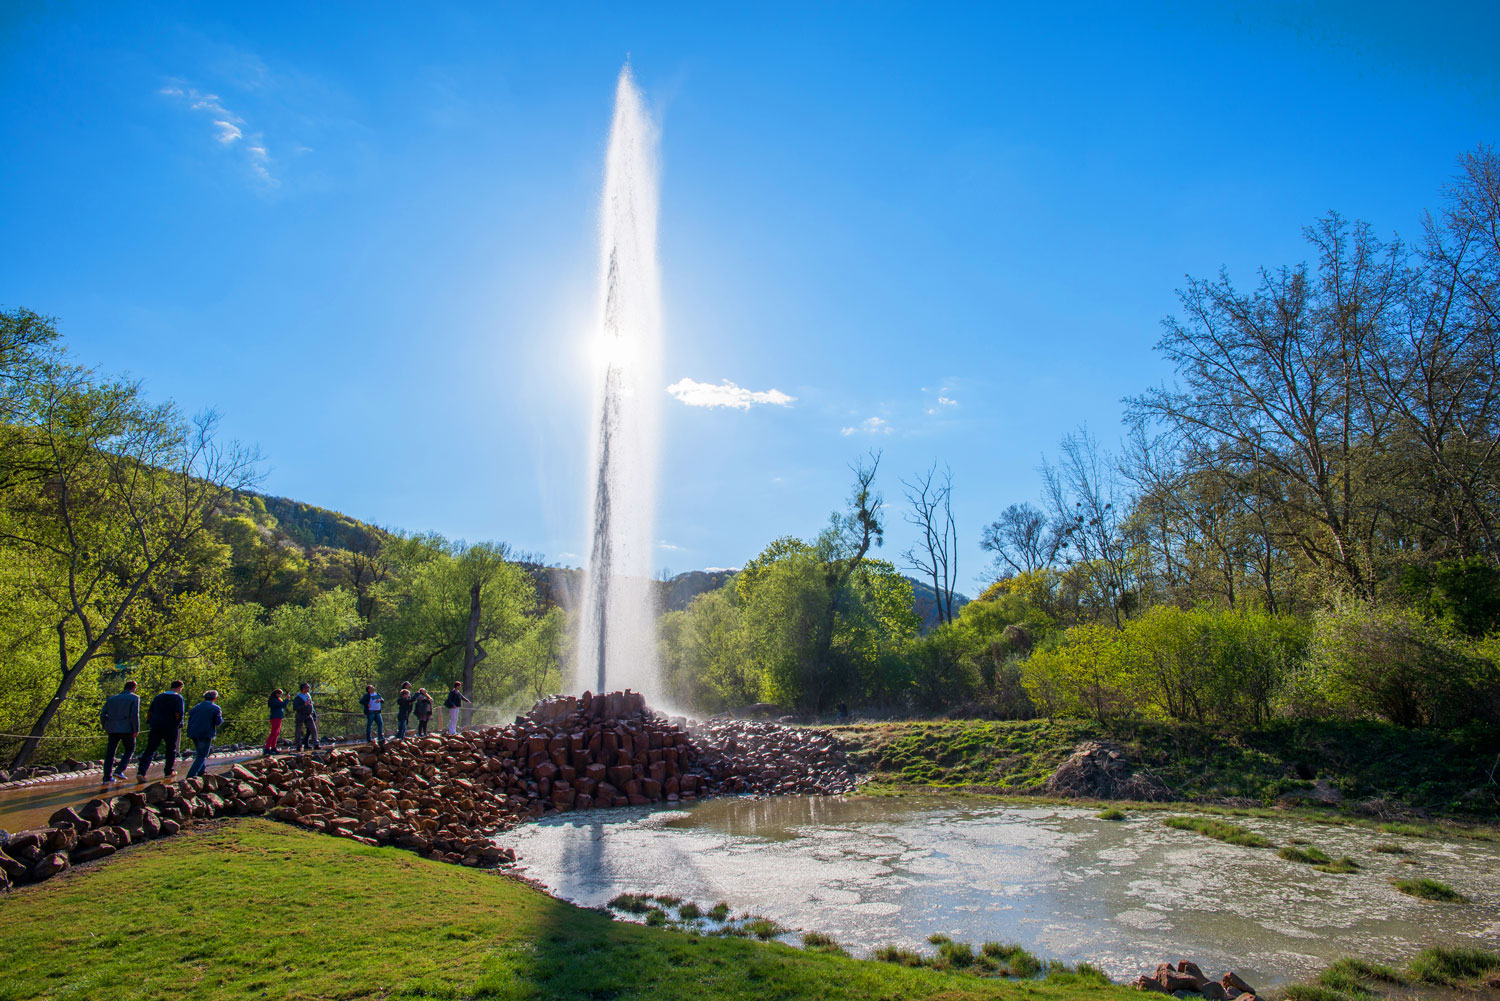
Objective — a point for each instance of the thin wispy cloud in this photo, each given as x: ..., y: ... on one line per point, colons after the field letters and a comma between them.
x: 870, y: 425
x: 725, y: 394
x: 230, y: 129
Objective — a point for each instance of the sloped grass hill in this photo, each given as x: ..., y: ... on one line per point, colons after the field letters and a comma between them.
x: 254, y: 909
x: 1417, y: 770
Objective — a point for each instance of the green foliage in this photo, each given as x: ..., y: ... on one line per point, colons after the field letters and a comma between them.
x: 1462, y: 594
x: 1219, y: 830
x: 819, y: 942
x: 791, y: 631
x: 1012, y: 960
x: 1372, y: 661
x: 1421, y: 770
x: 1111, y: 813
x: 1203, y: 665
x: 1307, y: 856
x: 1452, y: 966
x: 1430, y: 889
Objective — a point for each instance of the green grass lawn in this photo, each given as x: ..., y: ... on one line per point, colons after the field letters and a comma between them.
x: 1444, y: 773
x: 255, y: 909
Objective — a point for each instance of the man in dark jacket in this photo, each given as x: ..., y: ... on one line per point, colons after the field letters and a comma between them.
x: 203, y: 723
x: 373, y: 702
x: 306, y: 733
x: 121, y: 718
x: 163, y: 721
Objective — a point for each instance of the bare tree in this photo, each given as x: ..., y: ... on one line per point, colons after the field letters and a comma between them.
x: 1022, y: 539
x: 1272, y: 382
x: 935, y: 555
x: 1089, y: 505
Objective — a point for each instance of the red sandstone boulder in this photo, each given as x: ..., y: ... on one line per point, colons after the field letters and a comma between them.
x: 48, y: 866
x: 81, y: 855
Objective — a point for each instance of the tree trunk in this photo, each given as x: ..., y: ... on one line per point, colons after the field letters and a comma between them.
x: 69, y: 675
x: 470, y: 651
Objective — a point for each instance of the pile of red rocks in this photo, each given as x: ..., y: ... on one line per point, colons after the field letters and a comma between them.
x: 102, y: 826
x: 1097, y: 770
x: 1186, y: 980
x: 443, y: 795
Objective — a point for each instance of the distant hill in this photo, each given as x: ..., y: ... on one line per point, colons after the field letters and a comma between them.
x: 312, y: 527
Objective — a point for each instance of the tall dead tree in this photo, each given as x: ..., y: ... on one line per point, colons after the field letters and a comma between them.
x: 935, y: 554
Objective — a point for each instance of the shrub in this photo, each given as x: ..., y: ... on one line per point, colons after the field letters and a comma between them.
x: 689, y: 912
x: 1111, y: 813
x: 1391, y: 663
x: 719, y: 912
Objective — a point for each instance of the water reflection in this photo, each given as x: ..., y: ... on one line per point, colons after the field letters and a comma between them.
x: 1057, y: 880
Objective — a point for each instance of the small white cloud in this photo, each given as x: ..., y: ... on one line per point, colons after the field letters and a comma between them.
x: 667, y: 545
x: 229, y: 129
x: 870, y: 425
x: 944, y: 401
x: 725, y: 394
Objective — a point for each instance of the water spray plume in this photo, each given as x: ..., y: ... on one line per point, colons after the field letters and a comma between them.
x: 617, y: 634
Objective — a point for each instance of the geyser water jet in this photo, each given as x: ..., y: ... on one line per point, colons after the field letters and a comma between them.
x: 617, y: 632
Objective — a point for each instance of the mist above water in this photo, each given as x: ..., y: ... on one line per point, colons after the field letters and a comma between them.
x: 617, y: 631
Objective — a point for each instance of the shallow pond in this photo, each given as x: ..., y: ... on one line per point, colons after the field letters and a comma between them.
x: 1066, y: 885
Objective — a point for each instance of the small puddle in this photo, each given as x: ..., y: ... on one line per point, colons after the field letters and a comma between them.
x: 1064, y: 884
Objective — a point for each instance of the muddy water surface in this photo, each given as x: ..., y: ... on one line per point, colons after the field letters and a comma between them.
x: 1066, y: 885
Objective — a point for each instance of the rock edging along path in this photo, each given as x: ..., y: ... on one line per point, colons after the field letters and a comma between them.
x: 443, y: 795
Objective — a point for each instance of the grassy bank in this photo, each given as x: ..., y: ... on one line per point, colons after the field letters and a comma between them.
x: 254, y: 909
x: 1442, y: 773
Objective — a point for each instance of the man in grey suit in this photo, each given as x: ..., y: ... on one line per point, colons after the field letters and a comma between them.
x: 121, y: 718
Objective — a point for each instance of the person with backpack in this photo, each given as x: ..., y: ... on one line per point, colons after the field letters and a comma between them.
x: 422, y: 706
x: 203, y: 724
x: 278, y: 713
x: 121, y: 718
x: 404, y: 700
x: 163, y: 723
x: 305, y: 735
x: 454, y: 703
x: 373, y: 703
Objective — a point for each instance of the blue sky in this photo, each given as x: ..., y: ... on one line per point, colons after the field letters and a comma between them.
x: 366, y: 232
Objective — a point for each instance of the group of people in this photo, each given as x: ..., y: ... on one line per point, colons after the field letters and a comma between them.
x: 408, y: 704
x: 121, y: 718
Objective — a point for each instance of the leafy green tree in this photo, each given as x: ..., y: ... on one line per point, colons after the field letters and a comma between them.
x: 448, y: 606
x: 102, y: 504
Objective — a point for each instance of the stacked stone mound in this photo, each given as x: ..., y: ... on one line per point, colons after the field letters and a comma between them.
x: 1185, y: 980
x: 444, y: 795
x: 1097, y: 770
x: 741, y: 757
